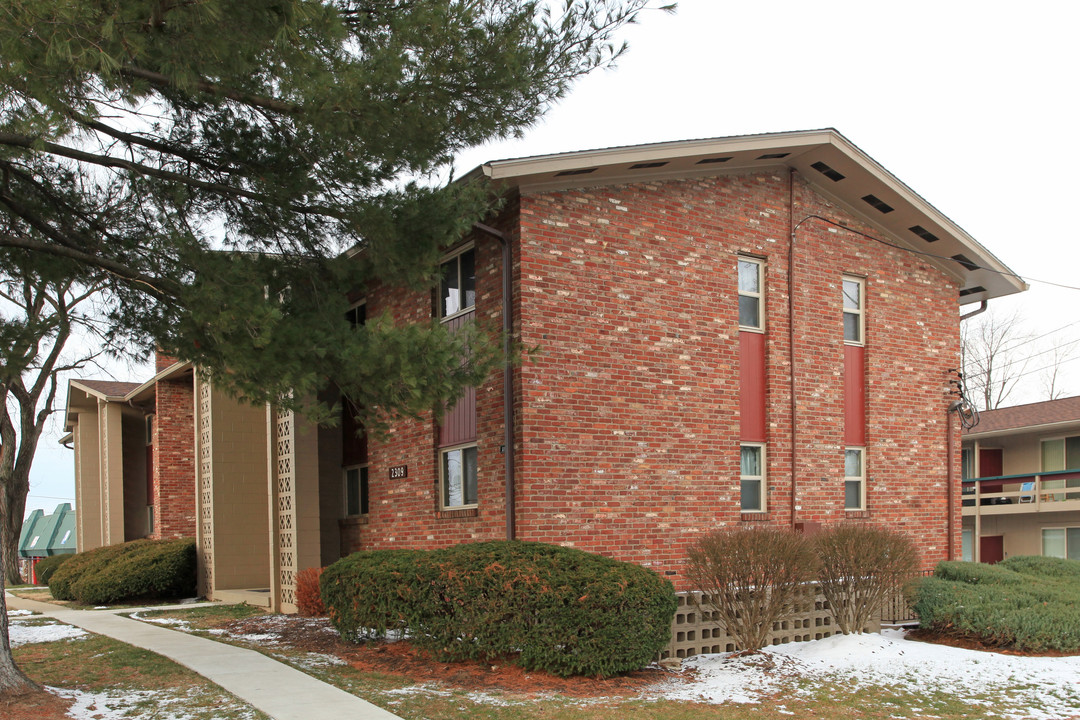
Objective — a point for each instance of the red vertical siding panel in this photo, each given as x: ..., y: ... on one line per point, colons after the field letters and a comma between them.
x: 854, y: 395
x: 459, y: 423
x: 751, y: 387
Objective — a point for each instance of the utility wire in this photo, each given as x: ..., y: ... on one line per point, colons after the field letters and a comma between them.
x: 966, y: 264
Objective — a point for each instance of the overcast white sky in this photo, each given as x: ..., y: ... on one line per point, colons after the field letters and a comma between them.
x: 971, y: 104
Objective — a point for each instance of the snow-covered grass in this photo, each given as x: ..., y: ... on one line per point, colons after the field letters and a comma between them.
x: 1018, y: 687
x: 25, y: 629
x: 149, y: 705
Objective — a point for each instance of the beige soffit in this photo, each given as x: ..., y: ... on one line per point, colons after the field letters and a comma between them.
x: 825, y: 158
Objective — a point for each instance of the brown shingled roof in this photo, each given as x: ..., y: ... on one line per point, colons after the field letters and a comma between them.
x: 1030, y: 415
x: 109, y: 387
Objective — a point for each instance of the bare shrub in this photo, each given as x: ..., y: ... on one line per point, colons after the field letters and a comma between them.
x: 861, y: 567
x: 754, y: 578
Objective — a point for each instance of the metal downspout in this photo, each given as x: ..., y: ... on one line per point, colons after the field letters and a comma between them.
x: 791, y: 340
x: 950, y: 475
x: 508, y: 377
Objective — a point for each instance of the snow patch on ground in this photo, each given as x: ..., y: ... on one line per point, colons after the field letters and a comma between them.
x: 20, y: 633
x: 1042, y: 687
x: 19, y: 613
x: 144, y: 704
x: 176, y: 623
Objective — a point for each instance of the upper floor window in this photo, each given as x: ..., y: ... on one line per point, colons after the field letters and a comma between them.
x: 457, y: 291
x: 752, y: 478
x: 751, y: 293
x: 854, y: 479
x: 1061, y: 454
x: 854, y: 304
x: 357, y: 315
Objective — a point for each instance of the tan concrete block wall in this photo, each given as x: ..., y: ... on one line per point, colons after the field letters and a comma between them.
x: 87, y: 482
x: 241, y: 552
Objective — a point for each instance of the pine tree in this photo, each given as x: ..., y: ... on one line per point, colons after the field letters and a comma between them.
x: 234, y: 169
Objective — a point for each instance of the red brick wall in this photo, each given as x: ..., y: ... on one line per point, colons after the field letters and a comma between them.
x: 174, y: 460
x: 630, y: 413
x: 405, y: 512
x: 628, y: 417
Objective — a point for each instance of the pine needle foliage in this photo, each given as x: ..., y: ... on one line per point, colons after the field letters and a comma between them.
x: 235, y: 169
x: 752, y: 578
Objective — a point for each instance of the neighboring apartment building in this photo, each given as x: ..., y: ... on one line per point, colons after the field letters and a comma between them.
x: 729, y: 332
x: 1021, y: 467
x: 43, y: 536
x: 134, y: 456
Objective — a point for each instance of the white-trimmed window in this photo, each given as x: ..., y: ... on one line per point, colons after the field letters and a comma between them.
x: 457, y: 469
x: 1061, y: 543
x: 356, y: 491
x: 751, y: 293
x: 457, y: 289
x: 752, y: 477
x: 854, y: 306
x: 854, y: 478
x: 357, y: 314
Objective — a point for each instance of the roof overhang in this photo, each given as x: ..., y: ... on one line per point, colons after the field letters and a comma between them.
x: 84, y: 396
x: 825, y: 158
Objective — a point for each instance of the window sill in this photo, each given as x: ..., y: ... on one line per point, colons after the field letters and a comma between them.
x: 353, y: 520
x: 754, y: 517
x: 457, y: 513
x: 856, y: 514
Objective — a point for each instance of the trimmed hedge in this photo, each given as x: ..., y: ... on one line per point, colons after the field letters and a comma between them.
x: 550, y: 608
x: 48, y: 565
x: 1026, y: 603
x: 137, y: 570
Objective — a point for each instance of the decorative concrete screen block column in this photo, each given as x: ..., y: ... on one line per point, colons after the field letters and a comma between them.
x: 204, y: 453
x: 285, y: 499
x: 112, y: 472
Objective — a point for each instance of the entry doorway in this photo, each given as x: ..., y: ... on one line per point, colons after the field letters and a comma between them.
x: 991, y: 549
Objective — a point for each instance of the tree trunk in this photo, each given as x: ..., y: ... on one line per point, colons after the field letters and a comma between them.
x: 12, y: 507
x: 12, y: 679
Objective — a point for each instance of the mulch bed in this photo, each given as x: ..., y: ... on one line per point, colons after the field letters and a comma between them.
x: 404, y: 660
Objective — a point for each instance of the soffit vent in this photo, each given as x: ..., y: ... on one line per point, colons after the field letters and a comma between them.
x: 923, y: 233
x: 773, y: 156
x: 584, y: 171
x: 642, y: 166
x: 972, y: 290
x: 880, y: 205
x: 965, y: 261
x: 827, y: 171
x: 710, y: 161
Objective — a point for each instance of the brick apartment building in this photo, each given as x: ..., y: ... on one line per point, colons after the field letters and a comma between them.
x: 758, y: 329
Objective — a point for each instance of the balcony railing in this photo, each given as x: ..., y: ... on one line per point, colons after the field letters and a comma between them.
x: 1007, y: 494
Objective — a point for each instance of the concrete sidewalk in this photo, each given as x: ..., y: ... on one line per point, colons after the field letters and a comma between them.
x: 276, y: 689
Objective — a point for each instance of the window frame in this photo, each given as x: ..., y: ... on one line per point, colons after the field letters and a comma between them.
x: 363, y: 497
x: 455, y: 257
x: 444, y: 487
x: 351, y: 313
x: 1065, y: 532
x: 759, y: 295
x: 860, y: 478
x: 859, y: 312
x: 761, y: 479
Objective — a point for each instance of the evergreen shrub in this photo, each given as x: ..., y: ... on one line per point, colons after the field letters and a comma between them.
x: 48, y: 565
x: 1035, y: 609
x: 308, y: 600
x: 545, y: 607
x: 137, y: 570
